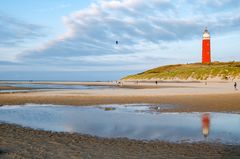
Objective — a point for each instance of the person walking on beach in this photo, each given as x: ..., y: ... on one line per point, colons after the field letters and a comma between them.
x: 235, y: 86
x: 156, y: 82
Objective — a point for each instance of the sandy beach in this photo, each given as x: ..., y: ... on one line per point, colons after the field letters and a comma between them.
x: 19, y: 142
x: 188, y: 97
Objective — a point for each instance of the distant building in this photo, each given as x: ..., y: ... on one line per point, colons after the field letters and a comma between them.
x: 206, y: 47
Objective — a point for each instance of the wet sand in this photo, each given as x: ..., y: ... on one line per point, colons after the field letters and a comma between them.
x: 18, y: 142
x: 184, y: 103
x: 13, y: 88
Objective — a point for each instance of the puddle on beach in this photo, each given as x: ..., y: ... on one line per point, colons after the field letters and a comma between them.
x: 134, y: 121
x: 14, y: 91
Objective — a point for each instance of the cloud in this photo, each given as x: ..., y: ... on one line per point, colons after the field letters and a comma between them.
x: 149, y: 33
x: 14, y: 32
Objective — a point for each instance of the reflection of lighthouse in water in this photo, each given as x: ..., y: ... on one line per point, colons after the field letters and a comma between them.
x: 205, y: 124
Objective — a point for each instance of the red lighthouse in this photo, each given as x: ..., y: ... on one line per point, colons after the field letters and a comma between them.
x: 206, y: 48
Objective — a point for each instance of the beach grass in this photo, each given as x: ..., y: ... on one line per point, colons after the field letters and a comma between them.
x: 198, y: 71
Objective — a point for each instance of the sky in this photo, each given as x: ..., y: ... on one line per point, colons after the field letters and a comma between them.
x: 76, y: 40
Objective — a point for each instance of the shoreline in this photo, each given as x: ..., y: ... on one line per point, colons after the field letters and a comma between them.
x: 114, y: 82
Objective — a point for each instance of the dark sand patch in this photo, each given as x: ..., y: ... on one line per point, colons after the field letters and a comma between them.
x: 2, y: 152
x: 29, y: 143
x: 14, y: 88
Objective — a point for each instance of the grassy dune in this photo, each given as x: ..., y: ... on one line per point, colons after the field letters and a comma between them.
x: 195, y: 71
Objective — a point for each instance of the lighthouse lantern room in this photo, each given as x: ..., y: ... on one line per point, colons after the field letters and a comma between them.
x: 206, y: 48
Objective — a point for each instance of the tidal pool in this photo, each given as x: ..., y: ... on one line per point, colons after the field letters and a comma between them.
x: 133, y: 121
x: 14, y: 91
